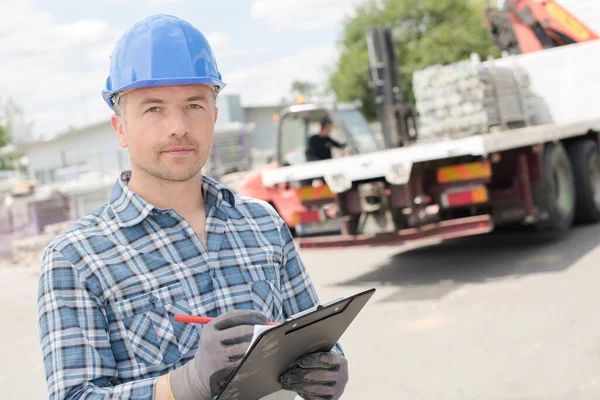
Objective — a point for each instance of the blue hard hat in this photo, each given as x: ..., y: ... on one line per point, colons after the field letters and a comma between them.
x: 161, y: 50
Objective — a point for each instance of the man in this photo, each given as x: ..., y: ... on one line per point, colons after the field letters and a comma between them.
x: 170, y: 241
x: 319, y: 145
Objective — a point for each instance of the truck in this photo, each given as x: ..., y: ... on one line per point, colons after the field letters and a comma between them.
x: 529, y: 156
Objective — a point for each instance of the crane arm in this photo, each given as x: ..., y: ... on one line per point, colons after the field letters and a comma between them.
x: 525, y: 26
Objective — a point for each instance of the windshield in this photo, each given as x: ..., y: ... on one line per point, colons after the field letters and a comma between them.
x: 293, y: 139
x: 358, y: 128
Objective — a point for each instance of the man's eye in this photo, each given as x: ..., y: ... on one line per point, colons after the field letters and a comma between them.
x: 152, y: 109
x: 196, y: 106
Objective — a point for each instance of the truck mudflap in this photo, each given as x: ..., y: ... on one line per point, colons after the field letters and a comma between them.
x: 443, y: 230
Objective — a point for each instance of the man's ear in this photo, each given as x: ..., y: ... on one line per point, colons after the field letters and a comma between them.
x: 119, y: 127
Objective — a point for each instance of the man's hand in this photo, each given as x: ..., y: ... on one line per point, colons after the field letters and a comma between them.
x: 223, y: 343
x: 317, y: 376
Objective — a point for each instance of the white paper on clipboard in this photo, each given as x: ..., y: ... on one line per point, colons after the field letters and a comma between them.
x: 258, y: 329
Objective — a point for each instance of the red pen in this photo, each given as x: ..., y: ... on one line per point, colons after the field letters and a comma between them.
x: 203, y: 320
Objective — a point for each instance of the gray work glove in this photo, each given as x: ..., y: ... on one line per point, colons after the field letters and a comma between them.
x: 317, y: 376
x: 223, y: 343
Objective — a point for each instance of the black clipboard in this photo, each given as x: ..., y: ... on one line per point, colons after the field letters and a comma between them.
x: 276, y: 349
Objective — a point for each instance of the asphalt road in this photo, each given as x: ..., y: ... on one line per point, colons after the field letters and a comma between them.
x: 503, y: 316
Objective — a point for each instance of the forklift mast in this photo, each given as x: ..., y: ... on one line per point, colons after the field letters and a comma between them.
x: 397, y: 117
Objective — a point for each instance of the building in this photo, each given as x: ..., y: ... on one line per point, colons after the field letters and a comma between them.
x: 93, y: 148
x: 264, y: 139
x: 265, y: 120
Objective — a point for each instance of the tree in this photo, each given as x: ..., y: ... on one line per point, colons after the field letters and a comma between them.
x: 4, y: 141
x: 303, y: 88
x: 16, y: 127
x: 4, y: 136
x: 426, y: 32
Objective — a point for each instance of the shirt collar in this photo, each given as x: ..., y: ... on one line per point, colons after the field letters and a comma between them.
x: 130, y: 209
x: 215, y: 193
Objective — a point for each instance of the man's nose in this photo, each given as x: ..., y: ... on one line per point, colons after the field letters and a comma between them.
x: 178, y: 125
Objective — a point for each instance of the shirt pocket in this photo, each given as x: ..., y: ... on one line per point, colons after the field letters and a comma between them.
x: 266, y: 298
x: 149, y: 321
x: 251, y: 281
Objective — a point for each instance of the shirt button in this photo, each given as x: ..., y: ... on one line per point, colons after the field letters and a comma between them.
x: 153, y: 300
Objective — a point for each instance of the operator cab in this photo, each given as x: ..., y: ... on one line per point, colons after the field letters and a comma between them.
x: 298, y: 123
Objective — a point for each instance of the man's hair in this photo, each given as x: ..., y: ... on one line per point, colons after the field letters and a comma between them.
x: 119, y: 107
x: 325, y: 122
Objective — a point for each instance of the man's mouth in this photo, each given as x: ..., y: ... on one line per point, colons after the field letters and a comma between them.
x: 178, y: 150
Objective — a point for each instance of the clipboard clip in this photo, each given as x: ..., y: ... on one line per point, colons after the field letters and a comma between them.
x: 315, y: 308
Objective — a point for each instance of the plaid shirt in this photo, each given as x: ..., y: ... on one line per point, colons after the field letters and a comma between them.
x: 111, y: 284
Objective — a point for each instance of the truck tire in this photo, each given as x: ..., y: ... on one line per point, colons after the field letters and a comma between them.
x: 558, y: 195
x: 585, y: 158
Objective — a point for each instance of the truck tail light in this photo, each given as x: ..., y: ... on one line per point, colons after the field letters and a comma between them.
x: 311, y: 193
x: 464, y: 172
x: 465, y: 197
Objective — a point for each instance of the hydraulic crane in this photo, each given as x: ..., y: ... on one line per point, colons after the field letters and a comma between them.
x: 525, y: 26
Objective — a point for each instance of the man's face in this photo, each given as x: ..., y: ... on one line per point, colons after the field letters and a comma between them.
x: 168, y: 130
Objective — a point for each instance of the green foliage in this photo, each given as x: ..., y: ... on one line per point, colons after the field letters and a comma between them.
x: 4, y: 136
x: 4, y: 141
x: 303, y: 88
x: 426, y: 32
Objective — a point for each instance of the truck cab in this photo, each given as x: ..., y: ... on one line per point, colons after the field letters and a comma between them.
x: 299, y: 122
x: 308, y: 207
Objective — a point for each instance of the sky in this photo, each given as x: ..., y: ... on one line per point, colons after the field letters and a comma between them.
x: 54, y: 54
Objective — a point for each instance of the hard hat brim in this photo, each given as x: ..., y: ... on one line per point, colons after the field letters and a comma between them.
x: 107, y: 95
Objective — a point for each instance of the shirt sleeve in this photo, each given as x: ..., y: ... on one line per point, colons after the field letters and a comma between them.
x: 337, y: 144
x: 297, y: 290
x: 76, y: 349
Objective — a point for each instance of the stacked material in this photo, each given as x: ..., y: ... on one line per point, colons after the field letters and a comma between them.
x: 231, y: 150
x: 467, y: 98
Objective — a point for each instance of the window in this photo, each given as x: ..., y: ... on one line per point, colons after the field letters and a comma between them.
x: 358, y: 129
x: 293, y: 140
x: 40, y: 176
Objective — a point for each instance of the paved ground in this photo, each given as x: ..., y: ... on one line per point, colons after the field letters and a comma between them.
x: 505, y: 316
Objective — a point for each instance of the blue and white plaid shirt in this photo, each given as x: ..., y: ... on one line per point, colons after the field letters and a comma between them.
x: 111, y: 284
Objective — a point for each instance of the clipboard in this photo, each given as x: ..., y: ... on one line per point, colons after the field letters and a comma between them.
x: 276, y: 349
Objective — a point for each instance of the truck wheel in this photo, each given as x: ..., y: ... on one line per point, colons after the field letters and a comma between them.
x: 585, y: 158
x: 558, y: 198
